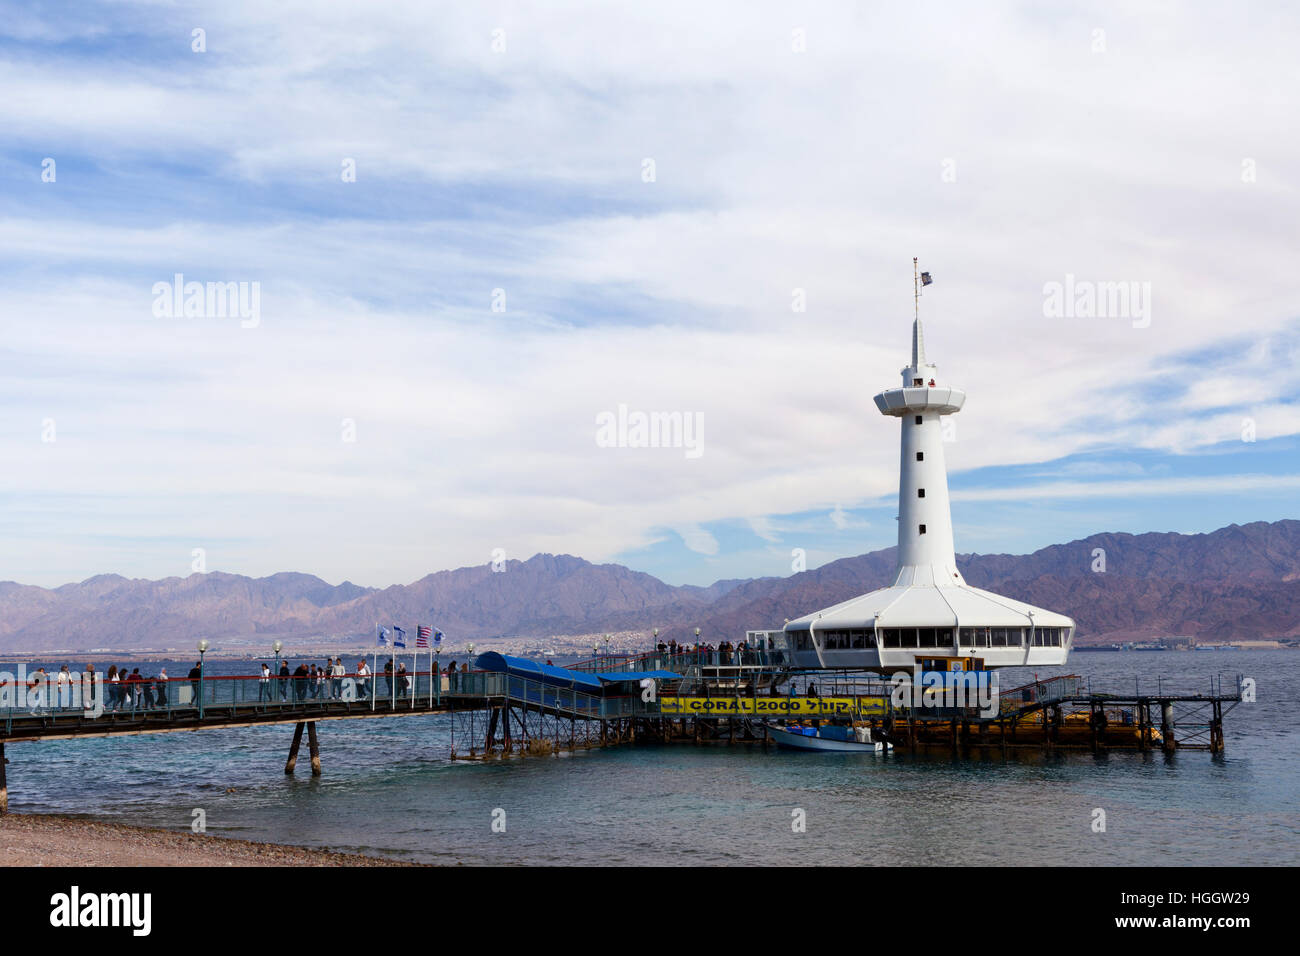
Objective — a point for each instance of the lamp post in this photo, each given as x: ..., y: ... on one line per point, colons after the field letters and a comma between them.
x: 470, y: 662
x: 203, y: 649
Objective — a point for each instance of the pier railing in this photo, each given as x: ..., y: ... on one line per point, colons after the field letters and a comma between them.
x: 157, y: 700
x: 682, y: 661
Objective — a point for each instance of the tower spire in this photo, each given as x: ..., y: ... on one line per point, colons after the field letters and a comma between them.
x: 918, y: 338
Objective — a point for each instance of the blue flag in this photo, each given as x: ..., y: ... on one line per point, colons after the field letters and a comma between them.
x: 383, y: 637
x: 437, y: 638
x: 399, y: 637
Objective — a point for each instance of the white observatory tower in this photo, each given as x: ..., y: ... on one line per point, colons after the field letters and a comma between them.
x: 930, y: 611
x: 925, y: 548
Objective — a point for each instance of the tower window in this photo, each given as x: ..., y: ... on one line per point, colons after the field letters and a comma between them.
x: 920, y: 456
x: 918, y: 381
x: 922, y: 529
x: 920, y: 492
x: 918, y: 419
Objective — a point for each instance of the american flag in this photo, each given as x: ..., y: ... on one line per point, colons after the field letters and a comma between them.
x: 422, y: 634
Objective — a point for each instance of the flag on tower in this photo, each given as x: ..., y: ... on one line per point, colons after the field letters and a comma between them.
x: 925, y: 278
x: 422, y: 634
x: 399, y: 637
x: 383, y: 635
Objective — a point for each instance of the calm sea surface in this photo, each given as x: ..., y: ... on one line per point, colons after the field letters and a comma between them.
x: 389, y: 788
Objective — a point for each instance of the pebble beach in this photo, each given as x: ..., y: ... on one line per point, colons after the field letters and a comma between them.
x: 49, y: 840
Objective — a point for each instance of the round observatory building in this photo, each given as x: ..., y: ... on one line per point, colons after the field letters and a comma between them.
x: 929, y: 611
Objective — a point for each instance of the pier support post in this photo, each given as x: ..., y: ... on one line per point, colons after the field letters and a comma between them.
x: 313, y: 748
x: 293, y: 749
x: 1167, y: 725
x: 4, y: 784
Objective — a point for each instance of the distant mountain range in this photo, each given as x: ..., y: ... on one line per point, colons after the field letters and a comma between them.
x: 1242, y: 581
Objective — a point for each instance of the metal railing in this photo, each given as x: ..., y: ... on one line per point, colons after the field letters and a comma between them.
x: 84, y: 697
x: 681, y: 661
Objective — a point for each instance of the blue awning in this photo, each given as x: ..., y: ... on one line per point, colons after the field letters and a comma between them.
x: 617, y: 677
x: 545, y: 673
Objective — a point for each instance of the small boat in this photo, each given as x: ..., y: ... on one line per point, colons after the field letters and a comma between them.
x: 827, y: 737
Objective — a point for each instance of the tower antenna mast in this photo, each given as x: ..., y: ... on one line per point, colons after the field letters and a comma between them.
x: 916, y: 291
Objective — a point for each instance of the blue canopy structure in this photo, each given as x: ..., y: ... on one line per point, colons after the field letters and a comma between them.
x: 617, y: 677
x: 544, y: 673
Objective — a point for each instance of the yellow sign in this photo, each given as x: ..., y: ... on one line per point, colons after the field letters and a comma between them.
x: 773, y: 706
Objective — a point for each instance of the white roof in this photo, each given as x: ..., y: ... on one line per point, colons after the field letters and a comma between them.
x: 927, y: 605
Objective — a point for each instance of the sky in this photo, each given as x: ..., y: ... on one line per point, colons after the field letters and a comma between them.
x: 475, y: 232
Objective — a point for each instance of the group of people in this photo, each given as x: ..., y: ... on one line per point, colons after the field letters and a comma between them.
x: 325, y: 682
x: 309, y: 683
x: 725, y: 652
x: 131, y: 690
x: 121, y: 690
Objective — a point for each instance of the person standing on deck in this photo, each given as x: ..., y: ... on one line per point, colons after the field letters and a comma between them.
x: 64, y: 681
x: 363, y: 680
x: 264, y: 684
x: 196, y: 676
x: 160, y: 687
x: 284, y: 680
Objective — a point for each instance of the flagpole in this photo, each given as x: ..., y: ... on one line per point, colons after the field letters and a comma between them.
x: 916, y: 291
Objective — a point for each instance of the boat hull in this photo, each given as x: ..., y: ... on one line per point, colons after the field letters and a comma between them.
x: 795, y: 741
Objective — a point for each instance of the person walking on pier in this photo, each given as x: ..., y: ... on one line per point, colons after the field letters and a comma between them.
x: 196, y: 678
x: 145, y: 689
x: 300, y: 682
x: 160, y: 687
x: 90, y: 686
x: 363, y: 680
x: 64, y: 681
x: 337, y: 672
x: 264, y: 684
x: 403, y: 685
x: 284, y: 680
x: 388, y: 677
x: 110, y: 694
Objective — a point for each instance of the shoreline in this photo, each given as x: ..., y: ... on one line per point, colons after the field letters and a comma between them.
x: 41, y: 839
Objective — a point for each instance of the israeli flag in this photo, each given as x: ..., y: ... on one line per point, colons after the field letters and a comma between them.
x: 383, y: 637
x: 399, y: 637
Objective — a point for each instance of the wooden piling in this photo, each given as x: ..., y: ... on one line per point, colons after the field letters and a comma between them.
x: 293, y: 749
x: 313, y: 748
x: 4, y: 784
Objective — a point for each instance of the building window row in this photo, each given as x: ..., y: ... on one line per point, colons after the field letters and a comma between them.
x: 1012, y: 636
x: 854, y: 639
